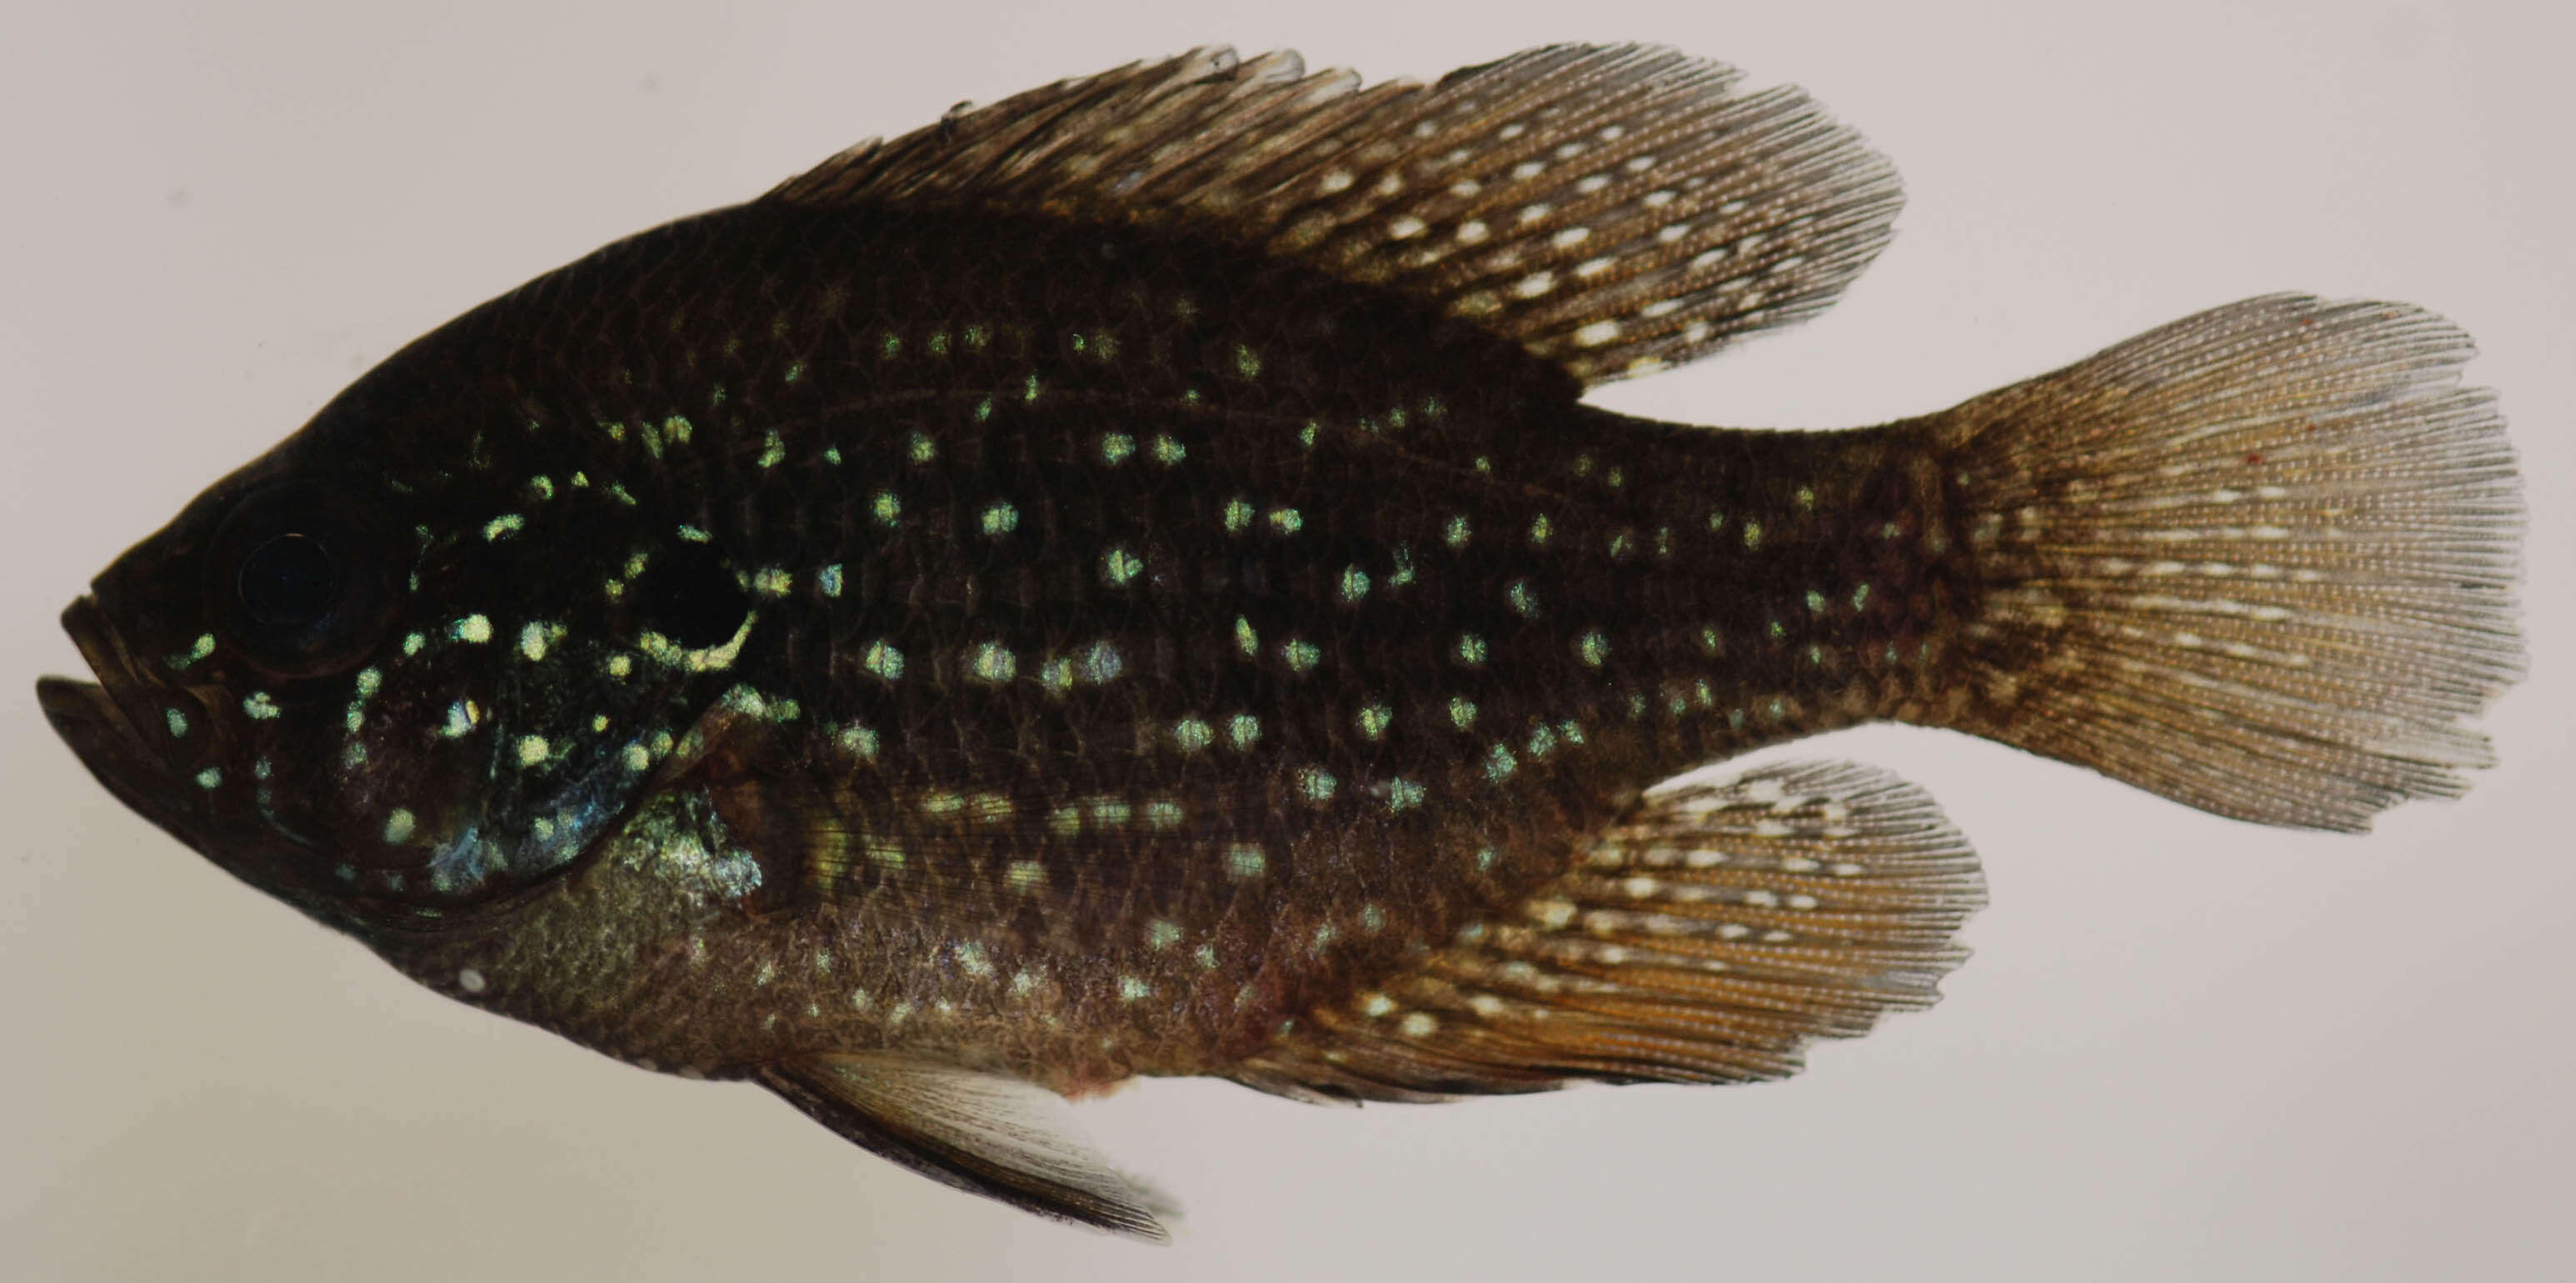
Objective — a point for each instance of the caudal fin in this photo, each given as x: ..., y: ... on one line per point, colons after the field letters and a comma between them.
x: 2260, y: 560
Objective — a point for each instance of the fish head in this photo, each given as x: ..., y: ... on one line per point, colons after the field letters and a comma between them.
x: 367, y: 685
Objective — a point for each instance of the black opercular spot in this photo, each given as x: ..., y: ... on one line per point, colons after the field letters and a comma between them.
x: 289, y: 582
x: 689, y: 595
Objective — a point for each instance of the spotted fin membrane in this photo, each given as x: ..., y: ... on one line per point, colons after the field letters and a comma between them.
x: 1706, y: 938
x: 1614, y: 209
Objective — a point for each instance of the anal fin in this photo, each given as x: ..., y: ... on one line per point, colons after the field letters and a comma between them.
x: 1707, y: 938
x: 979, y: 1132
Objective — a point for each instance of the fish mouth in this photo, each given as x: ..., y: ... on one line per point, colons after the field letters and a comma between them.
x: 98, y: 721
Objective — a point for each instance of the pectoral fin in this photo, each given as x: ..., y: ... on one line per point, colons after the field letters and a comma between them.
x: 983, y: 1133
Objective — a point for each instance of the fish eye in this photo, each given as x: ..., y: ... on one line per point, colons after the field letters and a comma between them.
x: 289, y: 581
x: 297, y: 580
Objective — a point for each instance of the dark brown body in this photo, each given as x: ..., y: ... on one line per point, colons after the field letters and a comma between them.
x: 1081, y: 879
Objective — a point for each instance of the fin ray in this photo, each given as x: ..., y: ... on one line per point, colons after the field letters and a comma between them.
x: 1614, y: 209
x: 2260, y: 561
x: 1707, y: 938
x: 982, y: 1133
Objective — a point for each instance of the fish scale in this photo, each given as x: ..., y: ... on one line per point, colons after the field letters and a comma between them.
x: 1124, y: 582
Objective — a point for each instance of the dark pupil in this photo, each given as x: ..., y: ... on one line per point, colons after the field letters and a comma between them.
x: 289, y: 581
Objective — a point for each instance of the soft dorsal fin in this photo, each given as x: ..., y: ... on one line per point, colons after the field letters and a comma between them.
x: 1612, y: 208
x: 1706, y: 938
x: 983, y: 1133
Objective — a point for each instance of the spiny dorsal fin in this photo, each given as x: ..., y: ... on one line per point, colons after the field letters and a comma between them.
x: 1613, y: 208
x: 983, y: 1133
x: 1707, y: 938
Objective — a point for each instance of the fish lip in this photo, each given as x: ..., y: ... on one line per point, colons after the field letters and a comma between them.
x: 97, y: 721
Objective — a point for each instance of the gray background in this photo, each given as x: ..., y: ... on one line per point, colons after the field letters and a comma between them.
x: 2186, y: 1047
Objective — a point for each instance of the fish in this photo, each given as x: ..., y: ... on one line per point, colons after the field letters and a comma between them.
x: 1125, y: 582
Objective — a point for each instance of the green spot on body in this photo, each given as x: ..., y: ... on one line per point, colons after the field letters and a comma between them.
x: 1301, y: 656
x: 984, y: 410
x: 1470, y: 649
x: 1499, y: 764
x: 1594, y: 648
x: 859, y: 741
x: 1815, y: 601
x: 178, y: 722
x: 1316, y: 783
x: 398, y: 826
x: 827, y: 581
x: 886, y: 508
x: 921, y: 449
x: 993, y: 662
x: 541, y: 486
x: 503, y: 526
x: 1247, y: 362
x: 1243, y: 730
x: 1117, y: 447
x: 1191, y: 734
x: 694, y: 535
x: 1374, y: 719
x: 259, y: 707
x: 1355, y: 585
x: 773, y: 450
x: 1807, y: 498
x: 796, y: 371
x: 1120, y: 566
x: 1245, y: 639
x: 1540, y: 529
x: 1286, y: 521
x: 1753, y: 534
x: 211, y: 777
x: 413, y: 642
x: 1403, y: 795
x: 1238, y: 516
x: 1029, y: 391
x: 1860, y: 596
x: 1000, y: 518
x: 832, y: 455
x: 1245, y: 860
x: 1542, y: 742
x: 1524, y: 602
x: 1160, y: 934
x: 472, y: 628
x: 1457, y: 533
x: 1168, y: 451
x: 1462, y: 711
x: 883, y: 660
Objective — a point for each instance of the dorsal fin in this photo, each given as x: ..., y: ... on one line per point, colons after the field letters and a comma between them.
x: 1612, y: 208
x: 1706, y: 938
